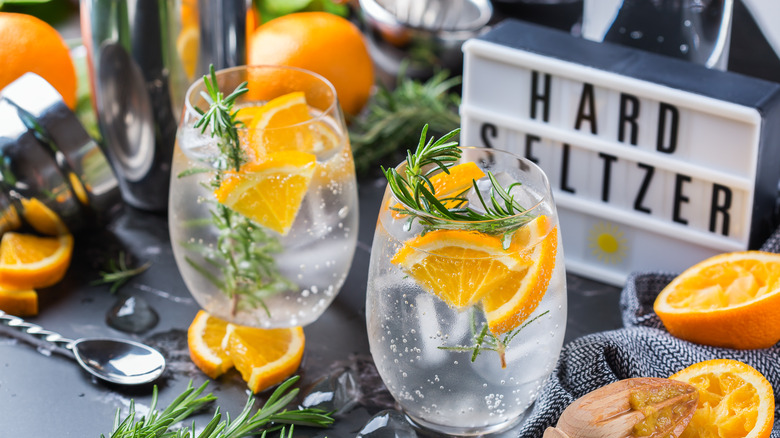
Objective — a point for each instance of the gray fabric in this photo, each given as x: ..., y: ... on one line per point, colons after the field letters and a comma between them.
x: 642, y: 349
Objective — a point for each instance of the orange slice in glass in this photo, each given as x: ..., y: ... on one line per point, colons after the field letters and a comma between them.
x: 32, y: 262
x: 508, y: 305
x: 279, y: 125
x: 735, y: 400
x: 458, y: 266
x: 204, y: 338
x: 269, y: 193
x: 463, y: 267
x: 730, y: 300
x: 447, y: 185
x: 264, y: 357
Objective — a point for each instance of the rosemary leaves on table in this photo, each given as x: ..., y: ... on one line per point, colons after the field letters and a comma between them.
x: 393, y: 118
x: 273, y: 416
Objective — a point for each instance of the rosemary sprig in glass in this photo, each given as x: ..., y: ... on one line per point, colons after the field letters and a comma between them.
x: 271, y: 417
x: 417, y: 194
x: 486, y: 341
x: 244, y: 251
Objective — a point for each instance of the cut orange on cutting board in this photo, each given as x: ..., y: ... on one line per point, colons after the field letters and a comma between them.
x: 735, y: 400
x: 204, y: 338
x: 463, y: 267
x: 730, y: 300
x: 19, y: 302
x: 264, y: 357
x: 269, y: 193
x: 32, y: 262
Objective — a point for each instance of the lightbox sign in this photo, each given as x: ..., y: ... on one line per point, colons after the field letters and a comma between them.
x: 654, y: 163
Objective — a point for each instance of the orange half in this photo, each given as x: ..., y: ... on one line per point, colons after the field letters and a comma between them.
x: 730, y: 300
x: 735, y: 400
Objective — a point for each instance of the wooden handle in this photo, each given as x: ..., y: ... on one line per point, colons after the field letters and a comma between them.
x: 554, y: 432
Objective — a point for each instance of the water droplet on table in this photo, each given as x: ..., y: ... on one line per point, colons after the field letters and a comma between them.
x: 132, y: 314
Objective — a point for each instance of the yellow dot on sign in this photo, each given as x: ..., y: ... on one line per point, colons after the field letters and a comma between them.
x: 607, y: 242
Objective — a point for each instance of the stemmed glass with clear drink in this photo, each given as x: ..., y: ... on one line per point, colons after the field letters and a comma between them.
x: 263, y: 217
x: 466, y: 299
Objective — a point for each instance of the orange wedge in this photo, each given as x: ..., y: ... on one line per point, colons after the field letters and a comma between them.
x: 735, y: 400
x: 32, y: 262
x: 279, y: 125
x: 269, y: 193
x: 204, y: 338
x: 19, y: 302
x: 42, y: 218
x: 730, y: 300
x: 460, y: 179
x: 463, y: 267
x: 264, y: 357
x: 510, y: 304
x: 457, y: 266
x: 447, y: 185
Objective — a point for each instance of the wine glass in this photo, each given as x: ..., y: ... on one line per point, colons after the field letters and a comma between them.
x: 466, y: 310
x: 264, y: 227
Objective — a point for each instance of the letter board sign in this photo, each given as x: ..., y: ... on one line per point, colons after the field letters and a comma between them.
x: 655, y: 163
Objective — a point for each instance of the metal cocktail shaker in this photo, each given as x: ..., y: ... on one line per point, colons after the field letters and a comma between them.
x: 143, y: 54
x: 138, y: 84
x: 49, y: 165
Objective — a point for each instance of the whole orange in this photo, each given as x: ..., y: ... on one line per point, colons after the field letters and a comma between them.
x: 323, y: 43
x: 28, y: 44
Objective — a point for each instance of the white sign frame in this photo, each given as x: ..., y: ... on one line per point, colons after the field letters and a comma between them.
x: 498, y: 95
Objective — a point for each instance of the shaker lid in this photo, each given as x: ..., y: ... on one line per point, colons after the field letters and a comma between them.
x: 78, y: 157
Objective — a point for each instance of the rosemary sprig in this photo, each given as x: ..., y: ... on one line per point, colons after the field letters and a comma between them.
x: 417, y: 194
x: 119, y: 272
x: 221, y: 119
x: 392, y: 117
x: 244, y: 250
x: 486, y: 341
x: 271, y: 417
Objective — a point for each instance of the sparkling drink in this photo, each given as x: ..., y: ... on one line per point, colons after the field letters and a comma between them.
x: 269, y: 244
x: 466, y: 319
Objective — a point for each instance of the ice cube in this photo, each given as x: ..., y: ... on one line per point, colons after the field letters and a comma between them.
x: 387, y: 424
x: 526, y: 198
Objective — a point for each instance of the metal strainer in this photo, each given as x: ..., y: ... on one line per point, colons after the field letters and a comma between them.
x: 426, y: 33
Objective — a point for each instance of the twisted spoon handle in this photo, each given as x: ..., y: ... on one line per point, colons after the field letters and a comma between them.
x: 35, y: 331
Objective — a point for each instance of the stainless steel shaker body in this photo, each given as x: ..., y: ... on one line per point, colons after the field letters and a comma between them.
x: 138, y: 84
x: 223, y: 34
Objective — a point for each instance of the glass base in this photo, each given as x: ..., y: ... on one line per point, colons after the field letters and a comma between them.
x: 427, y: 426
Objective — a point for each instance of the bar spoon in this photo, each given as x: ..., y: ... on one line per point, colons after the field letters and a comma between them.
x: 117, y: 361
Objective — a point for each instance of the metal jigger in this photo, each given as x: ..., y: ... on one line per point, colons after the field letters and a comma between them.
x: 47, y: 155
